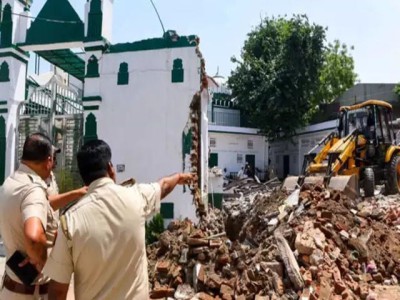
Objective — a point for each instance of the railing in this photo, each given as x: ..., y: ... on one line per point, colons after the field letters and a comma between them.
x: 228, y: 118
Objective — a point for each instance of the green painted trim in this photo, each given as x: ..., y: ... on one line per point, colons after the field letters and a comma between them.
x: 90, y: 128
x: 3, y: 110
x: 123, y: 74
x: 26, y: 3
x: 26, y: 53
x: 177, y: 73
x: 6, y: 27
x: 3, y: 102
x: 92, y: 107
x: 43, y: 32
x: 244, y: 133
x: 218, y: 198
x: 96, y: 48
x: 91, y: 98
x: 167, y: 210
x: 95, y: 22
x: 12, y: 54
x: 2, y: 149
x: 155, y: 44
x: 92, y: 68
x: 4, y: 72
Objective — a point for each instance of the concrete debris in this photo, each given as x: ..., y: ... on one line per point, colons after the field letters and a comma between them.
x: 267, y: 245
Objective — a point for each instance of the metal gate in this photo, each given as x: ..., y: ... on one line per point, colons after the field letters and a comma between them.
x: 57, y: 110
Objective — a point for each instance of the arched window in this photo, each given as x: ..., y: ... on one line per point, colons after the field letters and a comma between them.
x: 6, y: 27
x: 90, y: 128
x: 93, y: 67
x: 4, y: 72
x: 177, y: 71
x: 123, y: 74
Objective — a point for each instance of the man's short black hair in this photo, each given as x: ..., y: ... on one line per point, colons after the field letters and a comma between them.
x: 37, y: 147
x: 93, y: 160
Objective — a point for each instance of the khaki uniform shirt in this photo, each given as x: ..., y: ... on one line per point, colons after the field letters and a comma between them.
x: 22, y: 196
x: 104, y: 245
x: 53, y: 217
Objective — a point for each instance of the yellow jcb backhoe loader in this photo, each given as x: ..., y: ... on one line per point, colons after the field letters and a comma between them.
x: 361, y: 152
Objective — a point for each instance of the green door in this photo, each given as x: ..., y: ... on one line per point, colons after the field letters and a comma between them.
x: 213, y: 161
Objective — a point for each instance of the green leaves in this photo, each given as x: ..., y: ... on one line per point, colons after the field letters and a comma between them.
x: 279, y: 78
x: 154, y: 228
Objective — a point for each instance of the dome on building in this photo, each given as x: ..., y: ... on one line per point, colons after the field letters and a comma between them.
x: 220, y: 80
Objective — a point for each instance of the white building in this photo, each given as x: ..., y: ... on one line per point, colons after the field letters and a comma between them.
x: 144, y: 98
x: 231, y: 144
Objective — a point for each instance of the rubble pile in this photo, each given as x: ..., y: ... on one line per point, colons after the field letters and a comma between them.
x: 311, y: 244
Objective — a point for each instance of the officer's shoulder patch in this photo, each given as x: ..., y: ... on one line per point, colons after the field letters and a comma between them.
x: 64, y: 226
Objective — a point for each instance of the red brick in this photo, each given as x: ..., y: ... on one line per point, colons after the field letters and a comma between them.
x: 163, y: 266
x: 162, y: 292
x: 215, y: 243
x: 307, y: 277
x: 227, y: 290
x: 204, y: 296
x: 340, y: 287
x: 196, y: 242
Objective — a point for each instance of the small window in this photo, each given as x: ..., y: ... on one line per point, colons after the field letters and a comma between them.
x: 249, y: 144
x: 213, y: 143
x: 123, y: 74
x: 240, y: 158
x: 167, y: 210
x: 177, y: 71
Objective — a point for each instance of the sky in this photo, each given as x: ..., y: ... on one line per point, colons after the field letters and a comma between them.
x: 371, y: 26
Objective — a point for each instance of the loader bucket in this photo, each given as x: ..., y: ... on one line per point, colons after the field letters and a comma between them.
x: 346, y: 184
x: 290, y: 183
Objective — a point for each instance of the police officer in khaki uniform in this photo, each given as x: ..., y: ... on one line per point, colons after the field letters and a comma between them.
x: 62, y: 199
x: 26, y: 216
x: 102, y: 239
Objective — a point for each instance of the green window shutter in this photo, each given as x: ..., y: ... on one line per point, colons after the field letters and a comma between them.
x: 215, y: 200
x: 93, y: 67
x: 177, y: 71
x: 2, y: 149
x: 213, y: 161
x: 95, y: 20
x: 90, y: 128
x: 167, y: 210
x: 123, y: 74
x: 4, y: 72
x: 6, y: 27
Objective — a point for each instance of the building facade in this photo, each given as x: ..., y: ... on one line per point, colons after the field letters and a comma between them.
x: 148, y: 99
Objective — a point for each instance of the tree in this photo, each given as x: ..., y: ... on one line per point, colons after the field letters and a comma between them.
x: 278, y: 82
x: 337, y: 73
x: 397, y: 90
x: 154, y: 228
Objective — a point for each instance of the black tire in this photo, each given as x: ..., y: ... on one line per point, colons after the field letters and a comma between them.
x: 393, y: 175
x: 369, y: 182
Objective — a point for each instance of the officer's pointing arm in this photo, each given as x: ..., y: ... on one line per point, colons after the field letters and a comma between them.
x: 168, y: 183
x: 61, y: 200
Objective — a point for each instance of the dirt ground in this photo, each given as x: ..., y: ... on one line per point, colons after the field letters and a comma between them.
x: 388, y: 292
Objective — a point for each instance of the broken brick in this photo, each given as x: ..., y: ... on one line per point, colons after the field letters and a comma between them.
x: 204, y: 296
x: 226, y: 290
x: 163, y: 266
